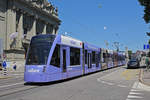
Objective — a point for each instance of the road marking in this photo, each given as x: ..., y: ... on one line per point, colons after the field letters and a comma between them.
x: 143, y: 87
x: 11, y: 85
x: 108, y: 83
x: 135, y: 85
x: 134, y: 90
x: 134, y: 93
x: 121, y: 85
x: 134, y: 97
x: 108, y: 75
x: 129, y: 74
x: 129, y: 99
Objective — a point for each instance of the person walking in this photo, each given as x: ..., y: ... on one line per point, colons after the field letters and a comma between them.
x: 14, y: 66
x: 147, y: 62
x: 4, y: 67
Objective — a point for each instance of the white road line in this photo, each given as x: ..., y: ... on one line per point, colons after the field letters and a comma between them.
x: 109, y: 75
x: 121, y: 85
x: 134, y: 93
x: 129, y: 99
x: 135, y: 85
x: 140, y: 86
x: 134, y: 90
x: 11, y: 85
x: 108, y: 83
x: 134, y: 97
x: 143, y: 87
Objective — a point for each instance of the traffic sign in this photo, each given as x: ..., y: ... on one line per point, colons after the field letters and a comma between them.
x: 146, y: 46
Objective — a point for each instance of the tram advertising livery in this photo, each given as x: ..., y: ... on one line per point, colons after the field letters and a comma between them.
x: 57, y: 57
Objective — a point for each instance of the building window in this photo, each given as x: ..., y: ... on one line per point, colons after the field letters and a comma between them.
x: 55, y: 61
x: 74, y: 56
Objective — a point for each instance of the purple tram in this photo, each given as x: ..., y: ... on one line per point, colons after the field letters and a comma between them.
x: 57, y: 57
x: 110, y: 63
x: 91, y: 58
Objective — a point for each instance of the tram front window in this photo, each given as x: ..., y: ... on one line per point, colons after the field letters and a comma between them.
x: 39, y: 50
x: 38, y: 54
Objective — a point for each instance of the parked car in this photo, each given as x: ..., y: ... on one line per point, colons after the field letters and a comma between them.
x: 133, y: 63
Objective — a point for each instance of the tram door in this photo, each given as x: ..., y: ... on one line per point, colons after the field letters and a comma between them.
x: 64, y: 60
x: 89, y: 60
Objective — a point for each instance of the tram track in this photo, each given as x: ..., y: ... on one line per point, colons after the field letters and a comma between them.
x: 13, y: 89
x: 6, y: 93
x: 10, y: 80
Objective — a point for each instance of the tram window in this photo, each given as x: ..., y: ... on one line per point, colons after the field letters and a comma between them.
x: 104, y: 57
x: 55, y: 61
x: 93, y: 57
x: 85, y: 56
x: 74, y: 56
x: 99, y: 57
x: 97, y: 60
x: 38, y: 54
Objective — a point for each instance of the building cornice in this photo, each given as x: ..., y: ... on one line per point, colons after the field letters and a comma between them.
x: 30, y: 4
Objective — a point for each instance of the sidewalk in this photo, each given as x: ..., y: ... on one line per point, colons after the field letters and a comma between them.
x: 144, y: 76
x: 10, y: 72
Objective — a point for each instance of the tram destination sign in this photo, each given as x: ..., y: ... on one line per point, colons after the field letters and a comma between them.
x: 71, y: 41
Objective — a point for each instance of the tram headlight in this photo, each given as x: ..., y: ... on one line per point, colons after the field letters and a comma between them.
x: 44, y: 68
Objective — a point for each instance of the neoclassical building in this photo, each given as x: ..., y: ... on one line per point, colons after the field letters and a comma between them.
x: 22, y: 19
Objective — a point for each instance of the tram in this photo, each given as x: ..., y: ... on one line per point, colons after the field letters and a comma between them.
x: 57, y: 57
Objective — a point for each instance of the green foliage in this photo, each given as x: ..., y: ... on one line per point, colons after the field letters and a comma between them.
x: 146, y: 4
x: 148, y: 41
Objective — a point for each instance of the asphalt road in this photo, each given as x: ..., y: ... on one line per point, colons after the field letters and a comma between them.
x: 113, y: 84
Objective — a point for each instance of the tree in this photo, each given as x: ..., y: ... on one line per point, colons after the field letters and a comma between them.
x: 146, y: 4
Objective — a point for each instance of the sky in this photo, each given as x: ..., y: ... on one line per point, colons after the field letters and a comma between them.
x: 103, y: 22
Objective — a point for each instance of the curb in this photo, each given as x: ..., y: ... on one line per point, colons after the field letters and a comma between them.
x: 6, y: 77
x: 141, y: 78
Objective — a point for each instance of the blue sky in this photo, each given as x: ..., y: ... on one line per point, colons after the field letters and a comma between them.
x: 101, y: 21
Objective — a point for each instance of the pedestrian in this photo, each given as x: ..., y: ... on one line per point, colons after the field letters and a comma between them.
x: 147, y: 62
x: 4, y: 67
x: 14, y: 66
x: 4, y: 64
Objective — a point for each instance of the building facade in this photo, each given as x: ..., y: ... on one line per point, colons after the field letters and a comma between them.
x: 22, y: 19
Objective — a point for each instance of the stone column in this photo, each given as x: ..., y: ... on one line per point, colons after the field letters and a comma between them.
x: 53, y: 29
x: 20, y: 31
x: 56, y: 30
x: 44, y: 30
x: 33, y: 29
x: 11, y: 25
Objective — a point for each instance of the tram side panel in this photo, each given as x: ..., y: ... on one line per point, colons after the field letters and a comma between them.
x: 75, y: 59
x: 104, y: 60
x: 92, y: 58
x: 110, y: 59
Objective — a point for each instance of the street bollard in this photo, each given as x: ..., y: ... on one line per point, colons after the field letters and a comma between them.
x: 5, y: 71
